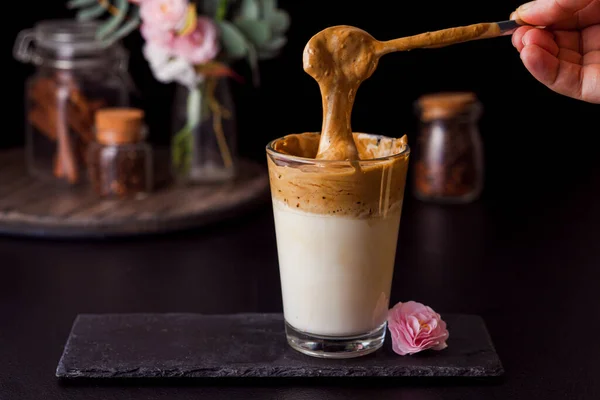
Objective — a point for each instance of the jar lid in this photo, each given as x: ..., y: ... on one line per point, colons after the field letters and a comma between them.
x: 65, y: 44
x: 119, y: 125
x: 445, y: 104
x: 68, y: 36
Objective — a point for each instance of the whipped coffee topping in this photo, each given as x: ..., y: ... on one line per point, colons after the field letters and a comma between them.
x: 374, y: 188
x: 352, y: 182
x: 341, y: 57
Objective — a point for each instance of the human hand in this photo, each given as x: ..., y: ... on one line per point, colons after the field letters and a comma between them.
x: 565, y: 55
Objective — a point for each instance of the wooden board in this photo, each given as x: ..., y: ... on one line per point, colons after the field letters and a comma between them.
x: 35, y: 208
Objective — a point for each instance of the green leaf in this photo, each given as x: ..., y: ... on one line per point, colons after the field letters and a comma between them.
x: 274, y: 44
x: 267, y: 7
x: 258, y: 32
x: 249, y: 9
x: 279, y: 21
x: 91, y: 13
x: 128, y: 27
x: 233, y: 40
x: 113, y: 23
x: 271, y: 49
x: 80, y: 3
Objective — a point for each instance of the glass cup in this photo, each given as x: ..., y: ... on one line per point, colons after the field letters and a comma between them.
x: 337, y: 228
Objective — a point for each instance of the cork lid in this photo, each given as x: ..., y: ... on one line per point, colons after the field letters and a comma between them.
x: 445, y: 104
x: 119, y: 125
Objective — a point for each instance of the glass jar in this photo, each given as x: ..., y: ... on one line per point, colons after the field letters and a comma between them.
x: 448, y: 166
x: 76, y: 74
x: 120, y: 161
x: 204, y: 141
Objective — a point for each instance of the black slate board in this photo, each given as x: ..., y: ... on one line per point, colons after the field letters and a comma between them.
x: 250, y: 345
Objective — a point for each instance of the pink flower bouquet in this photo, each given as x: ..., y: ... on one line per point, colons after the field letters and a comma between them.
x: 185, y: 46
x: 193, y: 46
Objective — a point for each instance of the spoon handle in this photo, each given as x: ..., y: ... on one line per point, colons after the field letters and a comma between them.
x: 510, y: 26
x: 446, y: 37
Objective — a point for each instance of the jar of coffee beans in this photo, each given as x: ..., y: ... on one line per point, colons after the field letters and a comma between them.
x: 448, y: 161
x: 120, y: 161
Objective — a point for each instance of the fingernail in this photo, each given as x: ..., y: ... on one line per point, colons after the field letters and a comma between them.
x: 513, y: 15
x: 525, y: 6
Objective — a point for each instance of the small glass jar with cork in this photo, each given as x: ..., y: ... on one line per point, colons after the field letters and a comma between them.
x: 449, y: 152
x: 120, y: 161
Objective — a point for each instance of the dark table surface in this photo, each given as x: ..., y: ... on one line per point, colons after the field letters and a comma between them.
x: 525, y: 257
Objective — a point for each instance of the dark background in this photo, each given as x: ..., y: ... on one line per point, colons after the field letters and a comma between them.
x: 531, y: 134
x: 526, y: 258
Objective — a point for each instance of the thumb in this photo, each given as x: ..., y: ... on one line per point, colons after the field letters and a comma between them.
x: 549, y: 12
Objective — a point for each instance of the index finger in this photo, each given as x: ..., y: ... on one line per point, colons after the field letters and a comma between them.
x: 550, y: 12
x: 574, y: 80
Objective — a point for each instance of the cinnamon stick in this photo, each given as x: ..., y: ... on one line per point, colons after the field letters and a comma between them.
x: 66, y: 153
x: 57, y: 117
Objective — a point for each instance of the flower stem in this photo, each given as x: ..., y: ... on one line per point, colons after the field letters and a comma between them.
x: 194, y: 102
x: 183, y: 142
x: 219, y: 112
x: 221, y: 10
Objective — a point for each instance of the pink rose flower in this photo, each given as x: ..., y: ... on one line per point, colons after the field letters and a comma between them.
x: 157, y: 36
x: 415, y: 327
x: 199, y: 46
x: 165, y: 15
